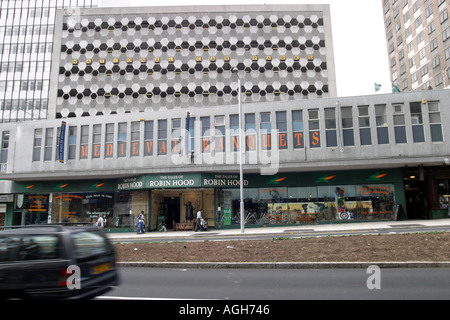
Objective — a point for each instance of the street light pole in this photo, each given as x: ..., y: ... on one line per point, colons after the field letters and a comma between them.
x: 241, y: 152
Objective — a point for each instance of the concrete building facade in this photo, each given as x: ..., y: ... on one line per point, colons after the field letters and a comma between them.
x: 26, y: 35
x: 158, y: 58
x: 143, y: 117
x: 306, y: 161
x: 418, y: 34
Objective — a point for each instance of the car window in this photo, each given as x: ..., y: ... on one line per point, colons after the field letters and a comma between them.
x: 89, y: 243
x: 29, y: 247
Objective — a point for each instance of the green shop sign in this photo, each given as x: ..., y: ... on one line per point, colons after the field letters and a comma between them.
x: 192, y: 180
x: 173, y: 181
x: 222, y: 180
x: 135, y: 183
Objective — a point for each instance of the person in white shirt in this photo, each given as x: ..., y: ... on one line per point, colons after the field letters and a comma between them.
x: 100, y: 222
x: 198, y: 220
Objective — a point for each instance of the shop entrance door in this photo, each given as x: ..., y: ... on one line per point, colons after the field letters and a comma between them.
x: 17, y: 218
x: 172, y: 205
x: 415, y: 200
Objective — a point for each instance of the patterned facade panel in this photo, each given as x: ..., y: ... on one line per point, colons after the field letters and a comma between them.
x: 143, y: 62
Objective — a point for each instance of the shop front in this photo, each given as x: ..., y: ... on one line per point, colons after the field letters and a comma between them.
x: 427, y: 192
x: 178, y: 197
x: 6, y: 204
x: 291, y: 198
x: 311, y: 198
x: 77, y: 202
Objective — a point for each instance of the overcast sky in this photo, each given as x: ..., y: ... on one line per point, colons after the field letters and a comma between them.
x: 359, y: 40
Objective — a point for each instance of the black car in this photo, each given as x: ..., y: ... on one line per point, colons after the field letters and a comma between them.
x: 56, y: 262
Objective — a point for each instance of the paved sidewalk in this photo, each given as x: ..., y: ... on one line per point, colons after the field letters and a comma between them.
x: 351, y: 226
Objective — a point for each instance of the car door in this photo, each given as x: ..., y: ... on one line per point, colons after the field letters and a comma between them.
x: 31, y: 265
x: 95, y: 259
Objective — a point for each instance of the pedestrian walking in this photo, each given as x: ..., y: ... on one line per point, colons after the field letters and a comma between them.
x: 140, y: 224
x: 100, y: 222
x: 163, y: 225
x: 198, y: 220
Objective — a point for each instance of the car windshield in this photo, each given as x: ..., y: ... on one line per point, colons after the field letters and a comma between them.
x: 29, y: 247
x: 87, y: 244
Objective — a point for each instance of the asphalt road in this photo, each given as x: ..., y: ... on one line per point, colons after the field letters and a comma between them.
x: 276, y: 284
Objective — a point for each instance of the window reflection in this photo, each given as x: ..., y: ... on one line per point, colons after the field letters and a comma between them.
x: 314, y: 204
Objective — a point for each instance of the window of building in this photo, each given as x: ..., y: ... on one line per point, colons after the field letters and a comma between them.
x: 364, y: 125
x: 418, y: 22
x: 417, y: 121
x: 405, y: 84
x: 446, y: 34
x: 176, y: 136
x: 420, y: 38
x: 429, y: 11
x: 414, y: 77
x: 438, y: 79
x: 96, y: 140
x: 72, y: 142
x: 206, y: 133
x: 148, y: 138
x: 399, y: 123
x: 282, y: 129
x: 48, y: 148
x: 330, y: 127
x: 424, y: 70
x: 402, y: 69
x: 234, y: 128
x: 219, y: 133
x: 422, y: 54
x: 265, y: 131
x: 109, y: 140
x: 443, y: 16
x: 347, y: 126
x: 382, y: 124
x: 435, y: 121
x: 135, y: 138
x: 250, y: 132
x: 162, y: 137
x: 436, y: 62
x: 408, y: 32
x: 84, y: 142
x: 433, y: 44
x: 122, y: 140
x: 431, y: 28
x: 297, y: 128
x: 4, y: 147
x: 314, y: 128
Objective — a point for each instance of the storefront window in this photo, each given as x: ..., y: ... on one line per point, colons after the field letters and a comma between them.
x: 120, y: 209
x: 34, y: 208
x: 82, y: 207
x: 87, y: 207
x: 315, y: 204
x: 444, y: 194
